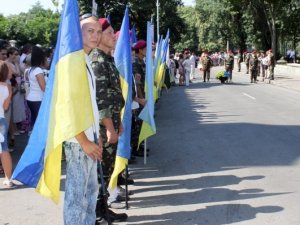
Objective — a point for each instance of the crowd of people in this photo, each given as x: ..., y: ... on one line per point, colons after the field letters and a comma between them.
x: 183, y: 65
x: 23, y: 78
x: 25, y: 82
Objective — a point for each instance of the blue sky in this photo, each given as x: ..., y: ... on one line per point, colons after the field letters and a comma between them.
x: 16, y: 6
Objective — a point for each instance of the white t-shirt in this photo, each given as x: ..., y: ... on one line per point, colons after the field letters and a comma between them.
x: 187, y: 65
x: 92, y: 83
x: 35, y: 92
x: 3, y: 95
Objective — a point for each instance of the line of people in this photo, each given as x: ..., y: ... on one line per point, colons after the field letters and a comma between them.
x: 81, y: 153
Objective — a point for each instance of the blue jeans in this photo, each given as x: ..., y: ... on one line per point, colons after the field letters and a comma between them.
x: 3, y: 131
x: 81, y: 190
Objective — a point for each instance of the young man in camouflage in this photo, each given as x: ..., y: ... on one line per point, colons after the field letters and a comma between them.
x: 139, y: 72
x: 253, y: 63
x: 206, y: 64
x: 109, y: 99
x: 239, y: 60
x: 229, y: 63
x: 271, y: 60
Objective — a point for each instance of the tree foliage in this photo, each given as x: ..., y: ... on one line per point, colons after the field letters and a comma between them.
x: 140, y: 11
x: 37, y: 26
x: 247, y: 23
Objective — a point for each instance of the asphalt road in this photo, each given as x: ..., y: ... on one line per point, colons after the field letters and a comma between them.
x: 223, y: 154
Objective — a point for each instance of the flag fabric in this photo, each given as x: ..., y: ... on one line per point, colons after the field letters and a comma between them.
x: 147, y: 114
x: 162, y: 67
x: 108, y: 18
x: 156, y: 66
x: 66, y: 109
x: 123, y: 63
x: 133, y: 35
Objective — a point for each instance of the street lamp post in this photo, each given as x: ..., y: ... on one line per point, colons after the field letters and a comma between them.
x: 157, y: 20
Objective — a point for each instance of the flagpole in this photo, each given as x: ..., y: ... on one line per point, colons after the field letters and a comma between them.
x: 145, y: 151
x: 157, y: 16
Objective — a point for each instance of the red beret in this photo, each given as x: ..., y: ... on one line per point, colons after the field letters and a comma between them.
x: 140, y: 44
x: 104, y: 23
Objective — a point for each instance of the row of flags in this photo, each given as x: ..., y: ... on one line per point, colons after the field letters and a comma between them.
x: 40, y: 164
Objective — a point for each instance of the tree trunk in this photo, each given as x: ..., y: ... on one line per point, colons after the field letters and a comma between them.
x: 273, y: 31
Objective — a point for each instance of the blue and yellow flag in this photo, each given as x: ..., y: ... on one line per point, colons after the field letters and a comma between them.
x: 147, y: 114
x: 66, y: 109
x: 162, y: 68
x: 123, y: 63
x: 133, y: 35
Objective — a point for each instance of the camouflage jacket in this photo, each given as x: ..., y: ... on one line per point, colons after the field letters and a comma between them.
x: 239, y: 58
x: 108, y: 87
x: 139, y: 66
x: 229, y: 61
x: 206, y: 63
x: 253, y: 63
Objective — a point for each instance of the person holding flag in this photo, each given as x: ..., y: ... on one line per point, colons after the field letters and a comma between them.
x: 68, y: 116
x: 81, y: 151
x: 139, y: 72
x: 110, y: 102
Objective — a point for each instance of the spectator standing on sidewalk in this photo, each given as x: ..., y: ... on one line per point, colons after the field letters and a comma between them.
x: 187, y: 63
x: 264, y: 65
x: 193, y: 66
x: 5, y: 99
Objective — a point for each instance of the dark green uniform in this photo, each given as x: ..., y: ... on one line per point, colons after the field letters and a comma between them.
x: 271, y: 65
x: 239, y: 61
x: 110, y: 102
x: 253, y: 63
x: 206, y: 65
x: 138, y: 66
x: 229, y: 64
x: 247, y: 60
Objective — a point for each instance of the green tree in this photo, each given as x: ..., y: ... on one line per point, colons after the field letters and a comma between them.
x: 189, y: 38
x: 140, y: 11
x: 37, y: 26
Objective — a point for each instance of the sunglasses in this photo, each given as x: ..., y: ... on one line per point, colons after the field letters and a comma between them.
x: 87, y: 15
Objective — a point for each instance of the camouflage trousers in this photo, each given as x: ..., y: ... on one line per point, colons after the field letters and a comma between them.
x: 271, y: 72
x: 109, y: 152
x: 136, y: 127
x: 81, y: 188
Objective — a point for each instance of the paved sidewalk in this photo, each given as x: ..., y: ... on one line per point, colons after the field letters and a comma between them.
x: 23, y: 204
x: 287, y: 76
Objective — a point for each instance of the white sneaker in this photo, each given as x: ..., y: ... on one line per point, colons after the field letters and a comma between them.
x: 8, y: 183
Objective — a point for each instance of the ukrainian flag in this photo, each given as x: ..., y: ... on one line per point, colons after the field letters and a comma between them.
x: 162, y: 67
x: 133, y: 35
x: 123, y: 63
x: 147, y: 114
x: 157, y: 64
x: 66, y: 109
